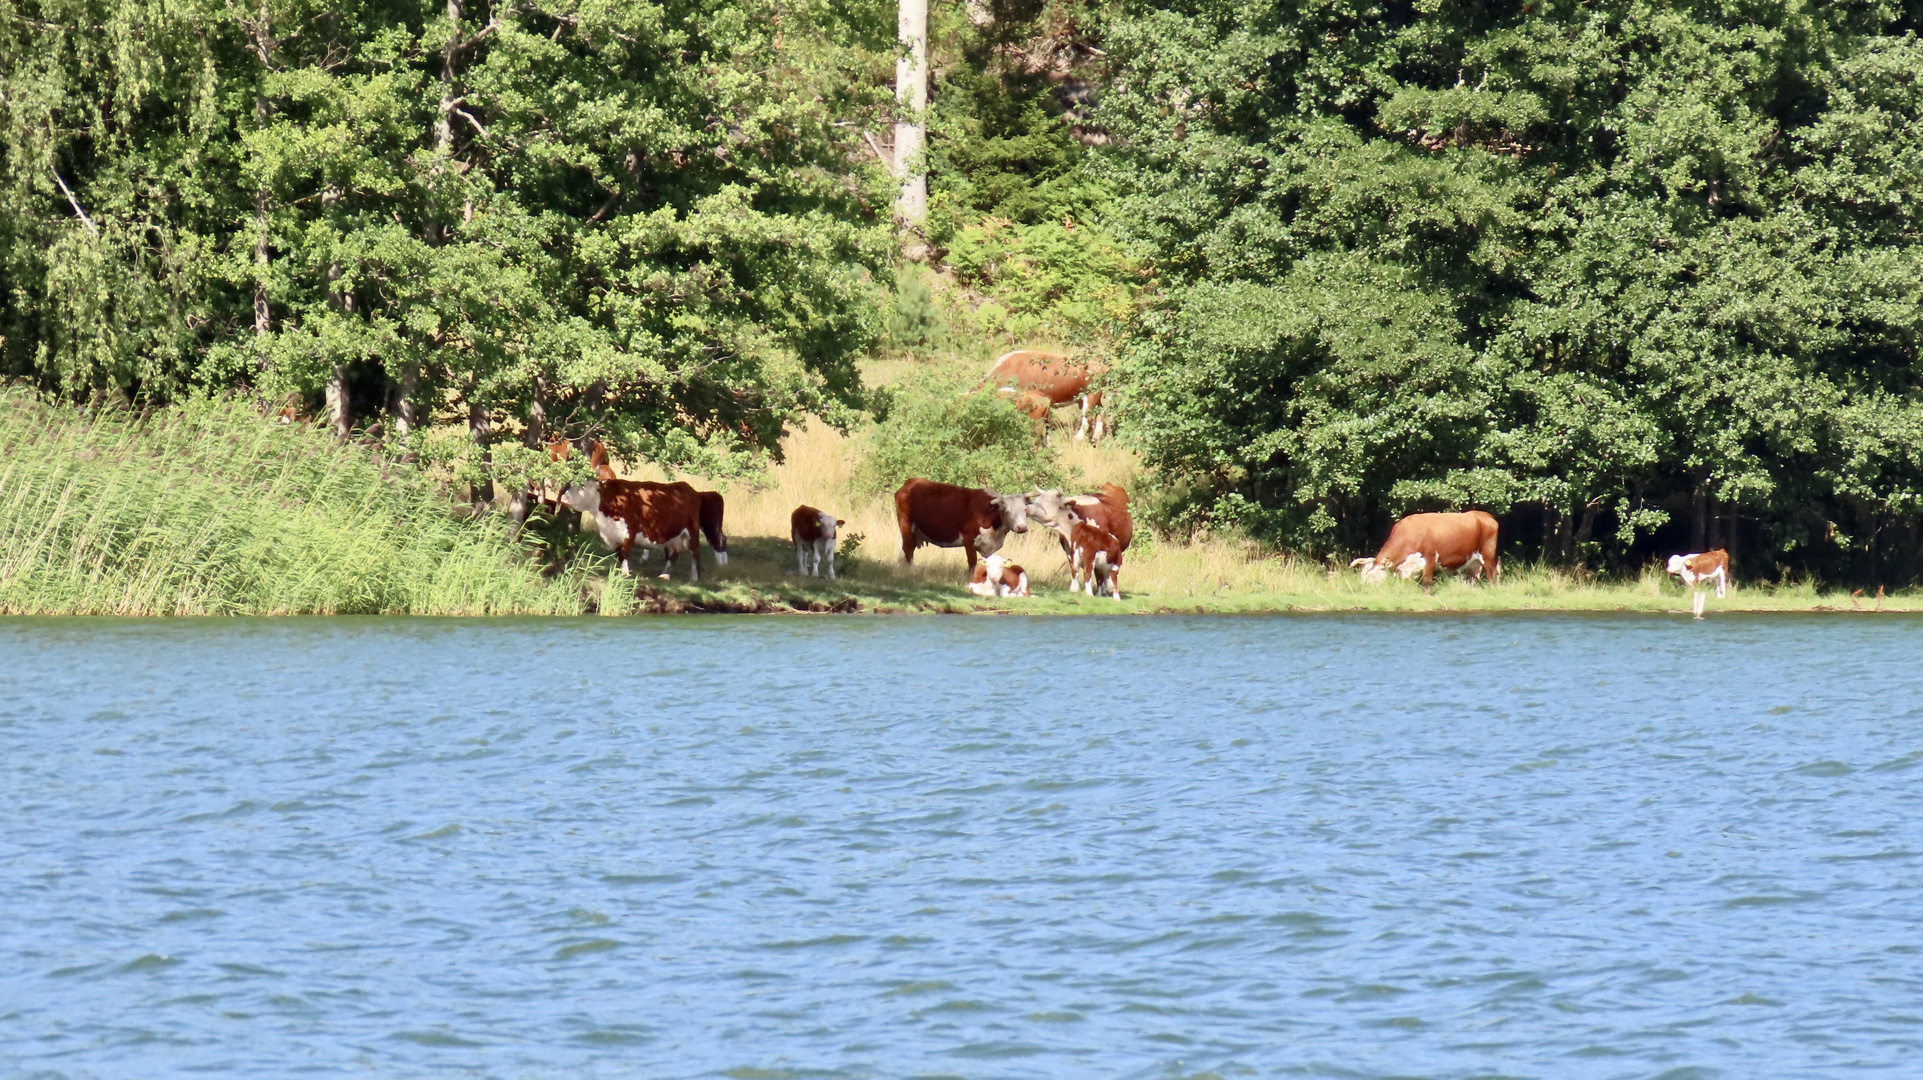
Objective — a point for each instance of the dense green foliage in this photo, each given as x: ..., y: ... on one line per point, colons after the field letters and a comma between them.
x: 1015, y: 212
x: 940, y: 433
x: 1631, y: 273
x: 655, y: 221
x: 205, y: 509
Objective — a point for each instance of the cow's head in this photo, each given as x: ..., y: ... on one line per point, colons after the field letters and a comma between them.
x: 1014, y: 512
x: 1049, y: 506
x: 1678, y: 564
x: 1371, y: 573
x: 583, y: 498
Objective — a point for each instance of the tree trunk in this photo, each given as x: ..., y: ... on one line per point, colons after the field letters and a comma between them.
x: 537, y: 415
x: 339, y: 408
x: 1698, y: 521
x: 911, y: 102
x: 1583, y: 532
x: 404, y: 394
x: 479, y: 428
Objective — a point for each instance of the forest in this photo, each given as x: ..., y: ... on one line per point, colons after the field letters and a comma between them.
x: 1635, y: 276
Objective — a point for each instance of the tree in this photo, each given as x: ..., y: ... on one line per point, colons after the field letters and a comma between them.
x: 1638, y: 276
x: 651, y: 221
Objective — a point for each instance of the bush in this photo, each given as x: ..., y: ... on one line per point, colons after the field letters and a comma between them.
x: 978, y: 440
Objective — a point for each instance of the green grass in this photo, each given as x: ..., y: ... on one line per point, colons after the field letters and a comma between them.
x: 210, y: 510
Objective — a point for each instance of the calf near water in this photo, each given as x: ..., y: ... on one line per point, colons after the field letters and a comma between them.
x: 1698, y: 570
x: 996, y: 576
x: 813, y: 533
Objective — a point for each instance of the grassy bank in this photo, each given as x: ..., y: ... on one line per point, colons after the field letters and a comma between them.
x: 212, y: 510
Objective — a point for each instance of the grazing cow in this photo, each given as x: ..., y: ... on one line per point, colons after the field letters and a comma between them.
x: 813, y: 532
x: 1096, y: 552
x: 1426, y: 543
x: 631, y: 514
x: 1700, y: 569
x: 1041, y: 381
x: 712, y: 508
x: 948, y: 516
x: 995, y: 576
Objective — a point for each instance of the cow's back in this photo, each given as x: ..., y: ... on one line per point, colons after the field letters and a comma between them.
x: 1054, y: 375
x: 942, y: 512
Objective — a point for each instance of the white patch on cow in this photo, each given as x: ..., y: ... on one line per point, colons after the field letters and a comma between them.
x: 721, y: 558
x: 1020, y: 587
x: 1411, y: 565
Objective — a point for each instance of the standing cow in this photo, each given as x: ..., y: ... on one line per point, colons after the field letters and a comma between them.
x: 946, y: 515
x: 813, y: 533
x: 1040, y: 381
x: 1424, y: 543
x: 1703, y: 568
x: 631, y: 514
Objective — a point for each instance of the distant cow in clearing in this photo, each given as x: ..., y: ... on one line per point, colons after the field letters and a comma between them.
x: 1040, y: 381
x: 995, y: 576
x: 948, y: 515
x: 813, y: 532
x: 631, y: 514
x: 1425, y: 543
x: 1698, y: 570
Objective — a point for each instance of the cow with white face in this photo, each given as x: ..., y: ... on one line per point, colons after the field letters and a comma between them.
x: 1701, y: 569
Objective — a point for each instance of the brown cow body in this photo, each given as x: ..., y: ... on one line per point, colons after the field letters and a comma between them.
x: 1106, y: 510
x: 1702, y: 568
x: 946, y: 515
x: 1426, y: 542
x: 1094, y: 552
x: 631, y: 514
x: 1040, y: 381
x: 813, y: 532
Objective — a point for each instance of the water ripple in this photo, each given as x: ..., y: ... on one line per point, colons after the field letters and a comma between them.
x: 1537, y: 847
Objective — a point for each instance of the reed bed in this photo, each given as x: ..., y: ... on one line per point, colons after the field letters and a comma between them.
x: 209, y: 510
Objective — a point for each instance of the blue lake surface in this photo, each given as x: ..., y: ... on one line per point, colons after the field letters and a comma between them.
x: 1559, y: 847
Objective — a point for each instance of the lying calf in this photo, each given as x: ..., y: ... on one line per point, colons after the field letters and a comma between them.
x: 813, y: 532
x: 1702, y: 568
x: 996, y: 576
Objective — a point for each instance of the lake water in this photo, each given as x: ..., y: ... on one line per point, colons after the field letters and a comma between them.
x: 899, y: 847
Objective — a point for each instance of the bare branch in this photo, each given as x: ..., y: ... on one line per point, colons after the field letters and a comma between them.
x: 75, y: 203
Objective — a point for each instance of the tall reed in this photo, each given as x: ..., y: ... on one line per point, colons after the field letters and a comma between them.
x: 208, y: 509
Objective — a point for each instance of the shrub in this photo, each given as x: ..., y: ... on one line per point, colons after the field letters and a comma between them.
x: 978, y: 440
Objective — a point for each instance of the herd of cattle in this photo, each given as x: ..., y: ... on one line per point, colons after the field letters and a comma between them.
x: 1094, y: 529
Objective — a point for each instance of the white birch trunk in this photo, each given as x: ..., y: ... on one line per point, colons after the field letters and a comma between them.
x: 911, y: 99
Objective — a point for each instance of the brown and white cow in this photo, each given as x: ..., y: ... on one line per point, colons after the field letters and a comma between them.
x: 1701, y: 569
x: 651, y: 516
x: 1425, y: 543
x: 995, y: 576
x: 813, y: 532
x: 1040, y: 381
x: 713, y: 507
x: 947, y: 515
x: 1094, y: 552
x: 1108, y: 509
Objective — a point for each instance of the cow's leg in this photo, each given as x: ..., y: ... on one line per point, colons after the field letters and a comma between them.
x: 1702, y: 597
x: 1081, y: 429
x: 1429, y: 571
x: 972, y: 556
x: 667, y: 561
x: 694, y: 556
x: 827, y: 554
x: 801, y: 554
x: 1722, y: 581
x: 626, y: 551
